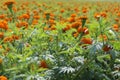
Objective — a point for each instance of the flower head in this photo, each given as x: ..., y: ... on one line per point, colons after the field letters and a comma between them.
x: 86, y: 41
x: 3, y: 78
x: 43, y: 64
x: 9, y: 2
x: 1, y: 62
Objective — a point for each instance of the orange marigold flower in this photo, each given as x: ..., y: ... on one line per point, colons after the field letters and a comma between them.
x: 103, y: 14
x: 83, y: 17
x: 43, y: 64
x: 75, y: 34
x: 79, y: 29
x: 36, y: 17
x: 19, y: 17
x: 8, y: 39
x: 71, y: 19
x: 1, y: 34
x: 35, y: 12
x: 118, y: 14
x: 14, y: 9
x: 51, y: 21
x: 115, y: 27
x: 2, y: 16
x: 15, y: 37
x: 9, y: 2
x: 106, y: 48
x: 73, y: 15
x: 68, y: 27
x: 76, y: 24
x: 85, y: 30
x: 76, y: 9
x: 3, y: 78
x: 34, y: 22
x: 97, y: 15
x: 25, y: 16
x: 62, y: 10
x: 84, y: 10
x: 117, y: 19
x: 0, y: 46
x: 1, y: 62
x: 46, y: 28
x: 4, y: 25
x: 22, y: 24
x: 52, y: 28
x: 86, y: 41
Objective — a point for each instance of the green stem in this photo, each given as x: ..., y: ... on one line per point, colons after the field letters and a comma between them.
x: 99, y: 21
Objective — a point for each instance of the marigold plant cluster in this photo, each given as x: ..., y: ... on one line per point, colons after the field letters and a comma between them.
x: 59, y: 40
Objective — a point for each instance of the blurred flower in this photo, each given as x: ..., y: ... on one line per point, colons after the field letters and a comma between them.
x: 43, y: 64
x: 3, y: 78
x: 1, y: 62
x: 86, y: 41
x: 9, y: 2
x: 106, y: 48
x: 4, y: 25
x: 1, y: 34
x: 115, y: 27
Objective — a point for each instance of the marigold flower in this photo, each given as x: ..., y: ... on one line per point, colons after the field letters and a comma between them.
x: 118, y: 14
x: 15, y: 37
x: 62, y: 10
x: 43, y: 64
x: 85, y: 30
x: 103, y: 14
x: 115, y: 27
x: 106, y: 48
x: 68, y: 27
x: 1, y: 62
x: 8, y: 39
x: 46, y: 28
x: 76, y: 24
x: 2, y: 16
x: 79, y: 29
x: 75, y: 34
x: 25, y: 16
x: 76, y: 9
x: 34, y: 22
x: 0, y: 46
x: 71, y: 19
x: 36, y: 17
x: 97, y: 15
x: 1, y: 34
x: 51, y: 21
x: 3, y: 78
x: 117, y: 19
x: 9, y: 2
x: 84, y: 10
x: 86, y: 41
x: 83, y: 17
x: 21, y: 24
x: 52, y: 28
x: 73, y: 15
x: 3, y: 25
